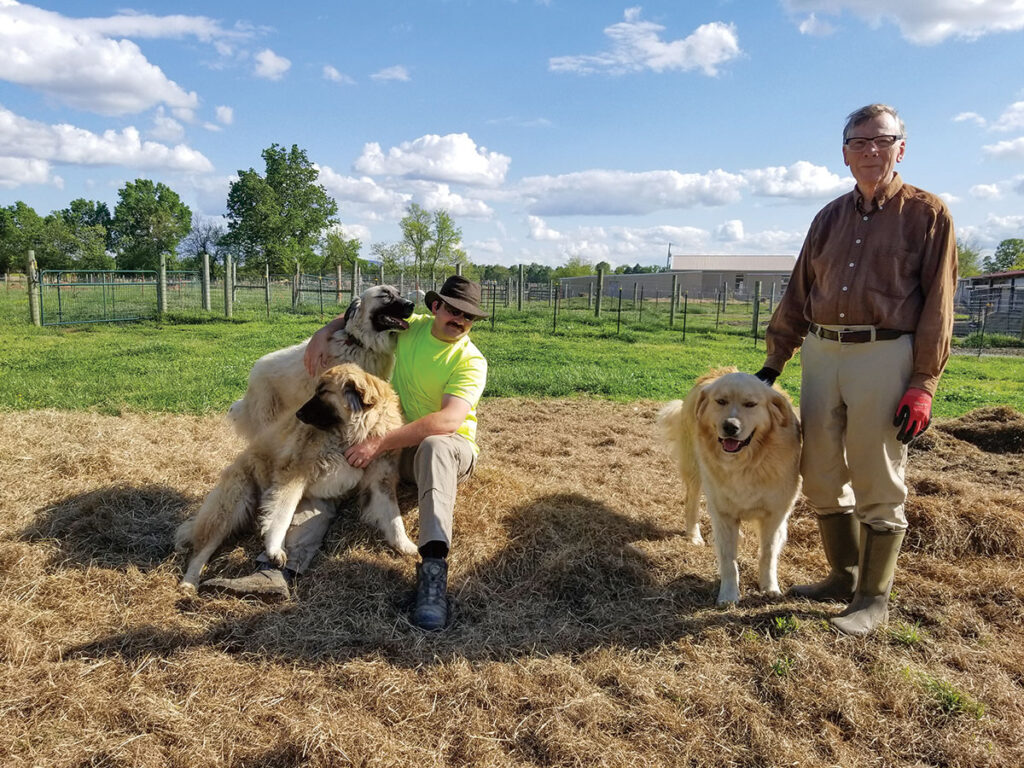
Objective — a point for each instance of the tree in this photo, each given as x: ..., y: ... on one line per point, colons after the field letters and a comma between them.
x: 537, y: 273
x: 416, y: 234
x: 276, y: 219
x: 394, y: 257
x: 337, y: 250
x: 1009, y: 255
x: 89, y: 213
x: 149, y: 220
x: 204, y: 237
x: 20, y: 230
x: 603, y: 266
x: 968, y: 258
x: 576, y: 266
x: 444, y: 238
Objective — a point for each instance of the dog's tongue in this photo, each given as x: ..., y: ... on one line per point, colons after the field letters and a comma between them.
x: 403, y: 324
x: 731, y: 445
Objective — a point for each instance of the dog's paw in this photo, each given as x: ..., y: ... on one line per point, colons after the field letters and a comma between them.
x: 186, y: 587
x: 278, y: 557
x: 772, y: 590
x: 727, y: 598
x: 406, y: 548
x: 695, y: 538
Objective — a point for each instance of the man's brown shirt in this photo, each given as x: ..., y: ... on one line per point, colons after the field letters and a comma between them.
x: 892, y: 267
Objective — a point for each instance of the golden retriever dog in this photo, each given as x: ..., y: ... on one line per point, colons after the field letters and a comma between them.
x: 279, y: 383
x: 303, y: 455
x: 739, y: 440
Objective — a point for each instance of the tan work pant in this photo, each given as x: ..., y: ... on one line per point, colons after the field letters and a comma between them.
x: 852, y: 461
x: 436, y: 466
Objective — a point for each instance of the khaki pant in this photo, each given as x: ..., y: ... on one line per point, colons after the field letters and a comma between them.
x: 436, y: 466
x: 852, y: 461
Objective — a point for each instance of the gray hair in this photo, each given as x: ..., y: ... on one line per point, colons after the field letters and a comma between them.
x: 864, y: 114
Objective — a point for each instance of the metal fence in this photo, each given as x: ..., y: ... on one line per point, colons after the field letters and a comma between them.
x: 991, y: 310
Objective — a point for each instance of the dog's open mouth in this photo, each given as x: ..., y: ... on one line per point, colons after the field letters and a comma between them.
x: 732, y: 445
x: 390, y: 321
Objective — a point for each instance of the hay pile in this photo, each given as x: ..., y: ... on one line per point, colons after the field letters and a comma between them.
x: 585, y: 631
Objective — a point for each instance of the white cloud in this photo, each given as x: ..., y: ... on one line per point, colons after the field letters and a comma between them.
x: 925, y: 23
x: 70, y: 60
x: 949, y: 198
x: 985, y: 192
x: 600, y: 192
x: 63, y: 143
x: 481, y: 250
x: 355, y: 231
x: 539, y: 230
x: 636, y: 45
x: 332, y: 74
x: 225, y: 115
x: 1006, y: 149
x: 166, y: 128
x: 439, y: 196
x: 815, y: 27
x: 731, y: 231
x: 1012, y: 118
x: 399, y: 73
x: 452, y: 158
x: 799, y: 181
x: 993, y: 230
x: 175, y: 26
x: 972, y: 117
x: 16, y: 171
x: 270, y: 65
x: 364, y: 192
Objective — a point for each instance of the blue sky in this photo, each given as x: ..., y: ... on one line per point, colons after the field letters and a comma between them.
x: 548, y: 129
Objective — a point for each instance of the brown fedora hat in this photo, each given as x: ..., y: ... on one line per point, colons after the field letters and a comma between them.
x: 460, y: 293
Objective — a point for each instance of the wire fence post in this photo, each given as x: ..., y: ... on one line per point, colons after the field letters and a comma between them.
x: 266, y: 286
x: 718, y: 308
x: 554, y: 317
x: 685, y: 300
x: 494, y: 302
x: 672, y: 302
x: 519, y: 293
x: 618, y: 323
x: 296, y: 283
x: 35, y: 290
x: 355, y: 278
x: 756, y: 309
x: 600, y: 291
x: 640, y: 314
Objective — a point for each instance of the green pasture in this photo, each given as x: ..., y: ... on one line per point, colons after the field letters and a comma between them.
x: 194, y: 364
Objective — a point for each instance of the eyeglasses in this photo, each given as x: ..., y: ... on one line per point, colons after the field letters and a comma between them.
x: 884, y: 141
x: 456, y: 312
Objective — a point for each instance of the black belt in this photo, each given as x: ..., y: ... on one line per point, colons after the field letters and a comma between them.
x: 855, y: 337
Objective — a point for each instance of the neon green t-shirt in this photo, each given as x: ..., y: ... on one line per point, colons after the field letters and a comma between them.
x: 427, y: 368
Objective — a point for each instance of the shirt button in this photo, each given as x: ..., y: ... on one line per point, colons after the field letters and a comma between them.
x: 858, y: 240
x: 842, y: 314
x: 851, y: 263
x: 844, y: 287
x: 865, y: 218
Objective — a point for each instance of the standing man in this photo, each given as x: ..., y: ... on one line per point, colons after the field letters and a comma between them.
x: 871, y: 302
x: 439, y: 377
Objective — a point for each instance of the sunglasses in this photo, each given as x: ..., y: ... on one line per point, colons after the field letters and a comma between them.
x: 456, y: 312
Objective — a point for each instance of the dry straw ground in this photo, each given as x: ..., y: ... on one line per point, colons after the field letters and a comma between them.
x: 585, y: 632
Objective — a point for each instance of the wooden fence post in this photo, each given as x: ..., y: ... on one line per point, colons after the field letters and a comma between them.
x: 337, y: 276
x: 204, y: 277
x: 32, y: 273
x: 355, y: 280
x: 672, y: 302
x: 161, y: 287
x: 266, y: 285
x: 519, y: 293
x: 600, y: 290
x: 228, y: 289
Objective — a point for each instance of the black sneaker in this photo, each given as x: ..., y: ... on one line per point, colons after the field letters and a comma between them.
x: 431, y: 611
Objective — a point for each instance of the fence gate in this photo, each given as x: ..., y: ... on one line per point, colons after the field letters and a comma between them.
x: 103, y: 296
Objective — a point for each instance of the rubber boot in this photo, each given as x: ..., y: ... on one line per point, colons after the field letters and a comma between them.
x: 870, y: 607
x: 840, y: 538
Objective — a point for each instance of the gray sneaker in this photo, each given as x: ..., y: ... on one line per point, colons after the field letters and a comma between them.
x: 269, y: 584
x: 431, y: 611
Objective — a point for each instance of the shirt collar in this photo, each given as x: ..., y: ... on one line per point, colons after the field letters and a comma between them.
x: 888, y: 192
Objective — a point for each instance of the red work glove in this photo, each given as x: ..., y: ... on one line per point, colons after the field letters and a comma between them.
x: 913, y: 414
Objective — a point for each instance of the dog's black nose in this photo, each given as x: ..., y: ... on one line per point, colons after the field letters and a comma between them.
x: 731, y: 427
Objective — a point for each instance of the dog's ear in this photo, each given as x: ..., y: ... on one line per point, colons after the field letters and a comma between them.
x: 318, y: 413
x: 779, y: 408
x: 702, y: 402
x: 352, y: 309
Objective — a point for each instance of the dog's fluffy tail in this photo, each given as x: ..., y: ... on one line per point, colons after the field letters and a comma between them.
x: 670, y: 425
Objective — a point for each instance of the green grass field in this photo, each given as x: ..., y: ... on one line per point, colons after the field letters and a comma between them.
x: 190, y: 364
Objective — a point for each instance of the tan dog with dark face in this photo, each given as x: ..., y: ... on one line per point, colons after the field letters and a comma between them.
x: 739, y: 440
x: 303, y: 454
